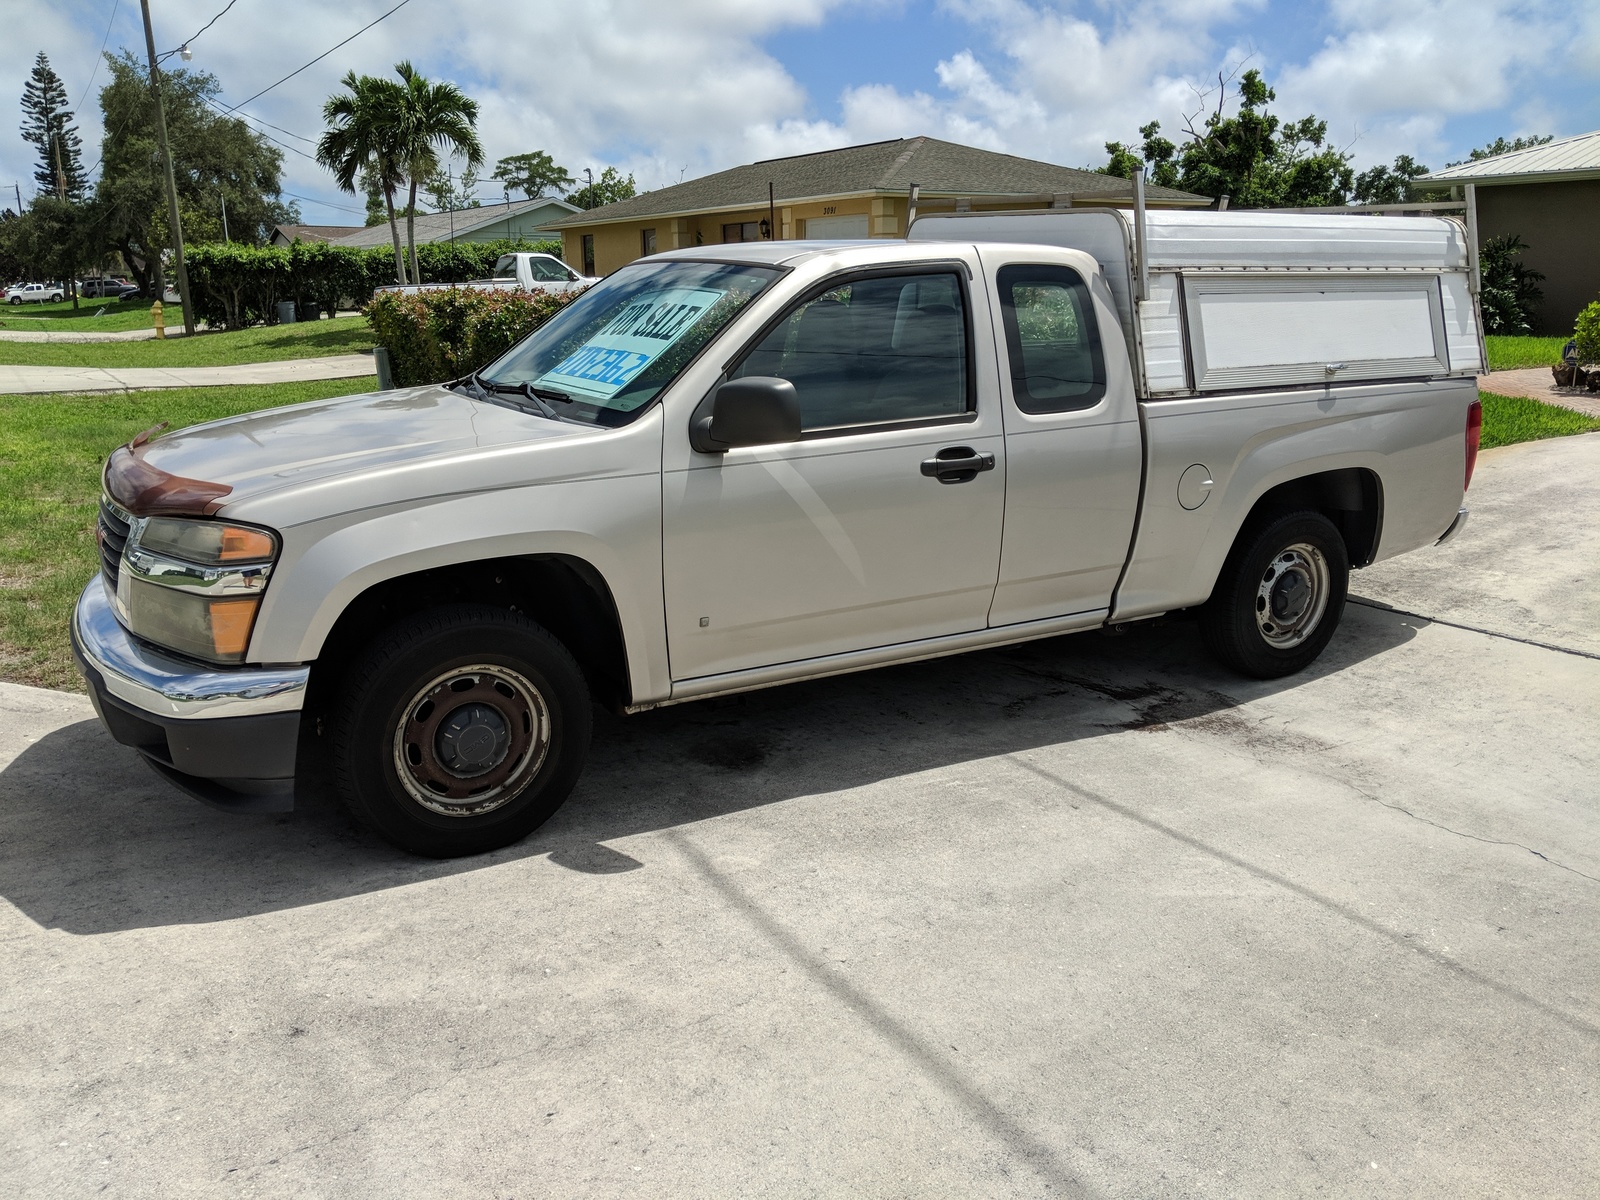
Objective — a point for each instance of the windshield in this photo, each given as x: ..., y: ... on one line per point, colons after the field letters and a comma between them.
x: 610, y: 352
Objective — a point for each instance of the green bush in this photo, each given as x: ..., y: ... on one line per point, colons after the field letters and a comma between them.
x: 1587, y: 335
x: 434, y: 336
x: 237, y: 285
x: 1510, y: 291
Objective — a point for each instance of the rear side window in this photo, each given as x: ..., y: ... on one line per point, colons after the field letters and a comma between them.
x: 874, y: 351
x: 1053, y: 342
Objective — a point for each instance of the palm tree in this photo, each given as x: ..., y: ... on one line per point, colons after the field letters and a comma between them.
x: 432, y: 117
x: 362, y: 142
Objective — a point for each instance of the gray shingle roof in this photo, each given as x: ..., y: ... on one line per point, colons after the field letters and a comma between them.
x: 937, y: 167
x: 437, y: 227
x: 316, y: 233
x: 1566, y: 158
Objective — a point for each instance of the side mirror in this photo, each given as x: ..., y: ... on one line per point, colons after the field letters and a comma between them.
x: 755, y: 411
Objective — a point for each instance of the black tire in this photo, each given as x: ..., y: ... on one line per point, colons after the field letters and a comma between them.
x: 1280, y: 596
x: 426, y: 711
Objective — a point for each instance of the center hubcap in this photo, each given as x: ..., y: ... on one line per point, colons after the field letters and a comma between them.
x: 1289, y: 595
x: 473, y: 739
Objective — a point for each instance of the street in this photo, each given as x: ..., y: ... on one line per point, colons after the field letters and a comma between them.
x: 1086, y: 917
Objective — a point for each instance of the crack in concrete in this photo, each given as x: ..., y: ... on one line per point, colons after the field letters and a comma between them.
x: 1509, y: 637
x: 1573, y: 1022
x: 1471, y: 837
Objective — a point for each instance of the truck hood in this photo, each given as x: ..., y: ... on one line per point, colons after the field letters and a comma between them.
x: 289, y: 447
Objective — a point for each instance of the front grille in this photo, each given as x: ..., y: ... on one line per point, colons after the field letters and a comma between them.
x: 112, y: 534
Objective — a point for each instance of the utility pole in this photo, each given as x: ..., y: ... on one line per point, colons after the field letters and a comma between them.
x: 225, y: 236
x: 172, y: 179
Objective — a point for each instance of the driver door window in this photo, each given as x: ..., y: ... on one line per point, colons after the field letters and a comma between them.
x: 876, y: 351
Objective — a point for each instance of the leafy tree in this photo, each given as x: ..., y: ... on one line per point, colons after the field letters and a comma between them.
x: 213, y: 156
x: 47, y: 124
x: 55, y: 239
x: 1501, y: 146
x: 376, y: 215
x: 608, y: 189
x: 432, y: 117
x: 362, y: 142
x: 1389, y: 185
x: 532, y: 174
x: 1254, y: 157
x: 1510, y: 291
x: 449, y: 193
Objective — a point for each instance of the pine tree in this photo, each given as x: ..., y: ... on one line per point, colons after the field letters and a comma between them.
x: 48, y: 125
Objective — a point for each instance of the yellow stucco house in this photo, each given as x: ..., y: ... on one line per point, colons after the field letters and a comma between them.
x: 855, y: 192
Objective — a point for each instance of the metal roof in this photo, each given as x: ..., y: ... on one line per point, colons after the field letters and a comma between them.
x: 937, y: 167
x: 441, y: 227
x: 1575, y: 157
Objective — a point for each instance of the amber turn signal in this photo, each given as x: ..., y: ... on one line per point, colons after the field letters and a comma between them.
x: 245, y: 545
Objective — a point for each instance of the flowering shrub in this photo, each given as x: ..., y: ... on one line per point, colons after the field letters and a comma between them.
x: 444, y: 334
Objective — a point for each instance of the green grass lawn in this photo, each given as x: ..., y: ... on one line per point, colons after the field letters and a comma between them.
x: 1508, y: 420
x: 262, y: 343
x: 1513, y: 353
x: 119, y: 315
x: 51, y: 451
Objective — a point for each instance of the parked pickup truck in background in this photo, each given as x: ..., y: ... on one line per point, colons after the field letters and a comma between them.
x: 35, y: 293
x: 726, y: 468
x: 524, y: 271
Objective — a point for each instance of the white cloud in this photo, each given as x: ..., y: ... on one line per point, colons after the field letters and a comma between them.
x: 668, y: 89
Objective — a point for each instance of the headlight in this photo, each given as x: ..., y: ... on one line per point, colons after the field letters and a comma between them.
x: 194, y: 586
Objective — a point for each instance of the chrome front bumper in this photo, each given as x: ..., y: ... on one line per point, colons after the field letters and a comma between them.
x: 163, y: 686
x: 228, y: 737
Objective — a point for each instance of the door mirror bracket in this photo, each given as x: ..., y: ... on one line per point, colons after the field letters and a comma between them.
x: 757, y: 410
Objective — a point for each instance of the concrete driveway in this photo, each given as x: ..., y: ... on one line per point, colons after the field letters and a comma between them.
x: 1082, y: 918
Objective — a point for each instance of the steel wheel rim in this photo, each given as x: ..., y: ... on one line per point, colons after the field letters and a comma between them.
x: 1292, y: 595
x: 470, y: 739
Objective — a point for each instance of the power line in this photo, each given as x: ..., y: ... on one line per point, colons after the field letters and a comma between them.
x: 321, y: 56
x: 324, y: 203
x: 99, y: 56
x: 229, y: 112
x: 211, y: 22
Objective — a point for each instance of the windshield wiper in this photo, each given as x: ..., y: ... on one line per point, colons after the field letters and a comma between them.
x: 537, y: 396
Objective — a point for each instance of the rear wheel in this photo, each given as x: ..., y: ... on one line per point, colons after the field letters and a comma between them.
x: 1280, y: 596
x: 461, y: 731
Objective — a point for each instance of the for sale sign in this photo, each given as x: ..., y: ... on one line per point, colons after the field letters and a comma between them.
x: 630, y: 341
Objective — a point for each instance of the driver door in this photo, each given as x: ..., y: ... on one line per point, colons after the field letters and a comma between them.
x: 856, y: 536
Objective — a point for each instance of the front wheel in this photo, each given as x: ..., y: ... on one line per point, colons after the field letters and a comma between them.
x: 462, y: 730
x: 1280, y: 596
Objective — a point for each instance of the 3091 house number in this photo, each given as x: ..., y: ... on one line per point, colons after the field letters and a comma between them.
x: 829, y: 210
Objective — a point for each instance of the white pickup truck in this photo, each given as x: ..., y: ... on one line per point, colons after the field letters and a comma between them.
x: 742, y: 465
x: 525, y: 271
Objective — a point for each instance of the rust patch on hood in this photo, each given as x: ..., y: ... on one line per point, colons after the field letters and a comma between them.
x: 145, y: 490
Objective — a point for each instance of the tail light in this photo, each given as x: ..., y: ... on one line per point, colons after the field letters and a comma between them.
x: 1474, y: 436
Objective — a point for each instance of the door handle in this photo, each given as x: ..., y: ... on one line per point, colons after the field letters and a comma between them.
x: 957, y: 464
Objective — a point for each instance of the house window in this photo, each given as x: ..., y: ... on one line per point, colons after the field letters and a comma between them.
x: 647, y: 241
x: 588, y: 254
x: 745, y: 231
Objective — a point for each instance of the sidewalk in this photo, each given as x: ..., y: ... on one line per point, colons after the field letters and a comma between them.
x: 1537, y: 383
x: 15, y: 380
x: 58, y: 336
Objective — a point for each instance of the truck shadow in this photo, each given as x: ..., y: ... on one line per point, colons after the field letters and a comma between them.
x: 92, y: 841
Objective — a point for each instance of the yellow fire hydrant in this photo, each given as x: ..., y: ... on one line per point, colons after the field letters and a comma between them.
x: 155, y: 316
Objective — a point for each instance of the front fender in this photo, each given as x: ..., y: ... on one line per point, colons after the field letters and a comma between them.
x: 613, y: 524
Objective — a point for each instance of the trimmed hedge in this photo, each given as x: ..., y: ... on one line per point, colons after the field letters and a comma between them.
x: 435, y: 336
x: 237, y: 285
x: 1587, y: 334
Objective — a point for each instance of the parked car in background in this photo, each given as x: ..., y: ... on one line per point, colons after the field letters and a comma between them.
x: 522, y: 271
x: 35, y: 293
x: 109, y: 288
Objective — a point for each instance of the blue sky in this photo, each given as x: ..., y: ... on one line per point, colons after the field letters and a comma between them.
x: 664, y: 90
